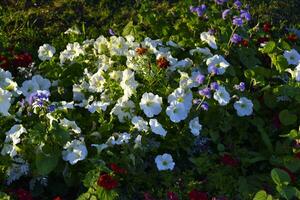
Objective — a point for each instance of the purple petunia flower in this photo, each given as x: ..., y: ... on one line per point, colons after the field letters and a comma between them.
x: 205, y: 92
x: 39, y: 97
x: 51, y: 108
x: 214, y: 86
x: 211, y: 31
x: 200, y: 78
x: 238, y: 4
x: 205, y: 106
x: 237, y: 21
x: 225, y: 13
x: 111, y: 32
x: 245, y: 15
x: 236, y: 38
x: 199, y: 9
x: 220, y: 2
x: 213, y: 70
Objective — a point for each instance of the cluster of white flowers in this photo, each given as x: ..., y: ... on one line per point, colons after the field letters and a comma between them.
x: 36, y: 83
x: 75, y: 151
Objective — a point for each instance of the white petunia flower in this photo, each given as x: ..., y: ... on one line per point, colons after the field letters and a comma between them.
x: 70, y: 125
x: 139, y: 123
x: 185, y: 80
x: 219, y: 62
x: 13, y: 135
x: 222, y: 96
x: 182, y: 96
x: 118, y: 46
x: 181, y: 64
x: 46, y: 52
x: 151, y: 104
x: 43, y: 83
x: 74, y: 151
x: 100, y: 147
x: 5, y: 98
x: 177, y: 111
x: 123, y: 109
x: 292, y: 57
x: 100, y: 44
x: 128, y: 83
x: 297, y: 73
x: 28, y: 87
x: 206, y: 51
x: 97, y: 82
x: 243, y: 106
x: 97, y: 106
x: 18, y: 168
x: 209, y: 39
x: 122, y: 138
x: 157, y: 128
x: 164, y: 162
x: 195, y: 126
x: 4, y: 77
x: 9, y: 149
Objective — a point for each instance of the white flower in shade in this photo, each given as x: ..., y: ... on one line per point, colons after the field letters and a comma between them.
x: 128, y: 83
x: 77, y: 93
x: 122, y: 138
x: 138, y: 141
x: 139, y: 123
x: 97, y: 82
x: 18, y: 168
x: 74, y: 30
x: 100, y: 147
x: 4, y: 77
x: 46, y: 52
x: 222, y: 96
x: 209, y: 39
x: 195, y: 126
x: 97, y: 106
x: 243, y: 106
x: 182, y: 96
x: 206, y: 51
x: 74, y: 151
x: 70, y: 125
x: 177, y: 111
x: 13, y: 135
x: 151, y: 104
x: 157, y: 128
x: 123, y: 109
x: 5, y: 98
x: 164, y: 162
x: 181, y: 64
x: 185, y: 80
x: 297, y: 73
x: 72, y: 51
x: 100, y: 44
x: 9, y: 149
x: 115, y: 75
x: 118, y: 46
x: 219, y: 62
x: 43, y: 83
x: 292, y: 57
x: 28, y: 87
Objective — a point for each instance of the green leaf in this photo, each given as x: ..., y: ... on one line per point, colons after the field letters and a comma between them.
x: 280, y: 62
x: 46, y: 161
x: 262, y: 195
x: 287, y: 118
x: 280, y: 177
x: 269, y: 47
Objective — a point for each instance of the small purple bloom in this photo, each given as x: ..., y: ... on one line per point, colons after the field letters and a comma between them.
x: 225, y: 13
x: 220, y: 2
x: 204, y: 106
x: 238, y: 4
x: 214, y: 86
x: 205, y: 92
x: 51, y: 108
x: 237, y: 21
x: 200, y: 78
x: 241, y: 87
x: 236, y: 38
x: 211, y: 31
x: 39, y: 97
x: 245, y: 15
x: 196, y: 101
x: 213, y: 70
x: 199, y: 9
x: 111, y: 32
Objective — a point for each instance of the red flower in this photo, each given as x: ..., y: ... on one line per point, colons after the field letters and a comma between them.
x: 196, y: 195
x: 172, y: 196
x: 107, y: 182
x: 292, y: 37
x: 57, y: 198
x: 245, y: 43
x: 297, y: 155
x: 267, y: 27
x: 162, y: 62
x: 117, y: 169
x: 22, y: 60
x: 4, y: 63
x: 227, y: 159
x: 291, y: 174
x: 23, y: 194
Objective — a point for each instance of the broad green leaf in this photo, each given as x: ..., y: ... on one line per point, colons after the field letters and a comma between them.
x: 287, y: 118
x: 280, y: 177
x: 269, y: 47
x: 45, y: 162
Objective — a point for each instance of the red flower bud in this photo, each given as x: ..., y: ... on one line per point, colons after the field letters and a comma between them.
x: 162, y: 62
x: 227, y: 159
x: 267, y: 27
x: 196, y: 195
x: 107, y: 182
x: 117, y: 169
x: 245, y: 43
